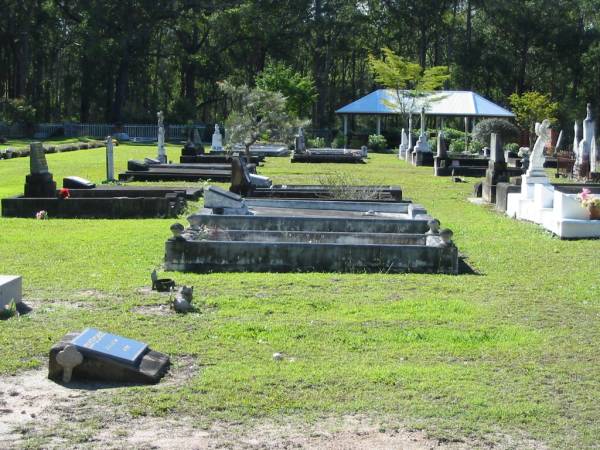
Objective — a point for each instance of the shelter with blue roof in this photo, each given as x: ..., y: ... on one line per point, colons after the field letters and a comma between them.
x: 440, y: 104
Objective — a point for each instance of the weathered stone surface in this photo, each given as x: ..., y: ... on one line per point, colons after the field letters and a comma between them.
x: 77, y: 183
x: 502, y: 191
x: 11, y: 288
x: 150, y: 368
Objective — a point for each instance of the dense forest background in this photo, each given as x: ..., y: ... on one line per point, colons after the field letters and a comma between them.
x: 122, y: 60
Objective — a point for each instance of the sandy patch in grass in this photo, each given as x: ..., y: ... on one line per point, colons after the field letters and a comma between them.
x: 36, y: 412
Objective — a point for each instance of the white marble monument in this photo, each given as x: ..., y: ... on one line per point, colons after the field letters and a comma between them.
x: 217, y: 139
x: 110, y: 159
x: 162, y: 152
x: 403, y: 145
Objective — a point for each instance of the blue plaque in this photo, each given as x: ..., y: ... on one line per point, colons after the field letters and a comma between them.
x: 109, y: 345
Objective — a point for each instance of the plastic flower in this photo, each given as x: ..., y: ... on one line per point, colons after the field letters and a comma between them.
x: 584, y: 194
x: 587, y: 199
x: 64, y: 193
x: 41, y: 215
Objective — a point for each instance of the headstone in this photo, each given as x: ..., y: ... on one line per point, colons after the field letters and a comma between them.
x: 584, y: 148
x: 11, y: 289
x: 300, y: 141
x: 496, y: 150
x: 106, y: 357
x: 241, y: 183
x: 559, y: 141
x: 535, y: 172
x: 162, y: 152
x: 39, y: 183
x: 442, y: 151
x: 110, y: 159
x: 403, y: 145
x: 77, y: 183
x: 217, y: 139
x: 422, y: 145
x: 224, y: 202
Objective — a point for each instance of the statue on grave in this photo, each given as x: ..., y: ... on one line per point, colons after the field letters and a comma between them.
x: 183, y: 300
x: 217, y: 139
x: 537, y: 158
x: 162, y: 153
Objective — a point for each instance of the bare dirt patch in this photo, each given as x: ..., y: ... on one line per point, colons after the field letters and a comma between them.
x: 36, y: 412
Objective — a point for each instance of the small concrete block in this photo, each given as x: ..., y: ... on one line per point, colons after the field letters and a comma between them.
x: 11, y: 288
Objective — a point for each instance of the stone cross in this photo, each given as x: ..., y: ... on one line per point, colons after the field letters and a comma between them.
x: 37, y: 159
x: 69, y: 358
x: 162, y: 153
x: 110, y: 160
x: 217, y: 139
x: 422, y: 145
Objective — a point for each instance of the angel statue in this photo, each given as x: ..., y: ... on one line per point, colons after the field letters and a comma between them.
x: 537, y: 158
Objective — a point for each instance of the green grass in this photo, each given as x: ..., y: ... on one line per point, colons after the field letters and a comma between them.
x: 513, y: 350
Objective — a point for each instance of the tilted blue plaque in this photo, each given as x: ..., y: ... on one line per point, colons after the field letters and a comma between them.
x: 108, y: 345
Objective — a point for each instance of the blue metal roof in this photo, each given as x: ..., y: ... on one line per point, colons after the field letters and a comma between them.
x: 439, y: 103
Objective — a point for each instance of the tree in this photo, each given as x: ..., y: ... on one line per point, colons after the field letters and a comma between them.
x: 407, y: 79
x: 531, y: 107
x: 255, y: 113
x: 299, y: 90
x: 506, y: 130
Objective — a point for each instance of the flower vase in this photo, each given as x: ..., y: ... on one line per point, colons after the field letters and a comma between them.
x: 594, y: 212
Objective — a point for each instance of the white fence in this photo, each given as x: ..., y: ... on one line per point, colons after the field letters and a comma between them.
x: 99, y: 130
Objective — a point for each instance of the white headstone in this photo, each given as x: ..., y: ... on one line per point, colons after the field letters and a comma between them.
x: 110, y: 160
x: 217, y: 139
x: 403, y: 144
x: 162, y: 152
x: 422, y: 145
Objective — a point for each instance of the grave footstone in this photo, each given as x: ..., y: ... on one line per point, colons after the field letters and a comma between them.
x: 39, y: 183
x: 106, y: 357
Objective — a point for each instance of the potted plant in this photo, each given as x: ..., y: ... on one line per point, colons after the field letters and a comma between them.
x: 591, y: 203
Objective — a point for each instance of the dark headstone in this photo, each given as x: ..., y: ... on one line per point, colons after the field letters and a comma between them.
x: 107, y: 358
x: 77, y: 183
x: 240, y: 177
x: 496, y: 150
x: 39, y: 183
x: 477, y: 189
x: 135, y: 165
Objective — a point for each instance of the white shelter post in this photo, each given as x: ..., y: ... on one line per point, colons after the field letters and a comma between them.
x: 466, y: 134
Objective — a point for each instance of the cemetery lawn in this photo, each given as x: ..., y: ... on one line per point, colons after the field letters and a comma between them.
x: 23, y: 143
x: 510, y: 351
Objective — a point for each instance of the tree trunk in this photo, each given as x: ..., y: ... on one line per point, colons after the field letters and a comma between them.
x: 121, y: 85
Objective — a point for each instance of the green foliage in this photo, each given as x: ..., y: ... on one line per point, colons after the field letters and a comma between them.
x: 257, y: 113
x: 299, y: 90
x: 532, y: 107
x: 377, y: 143
x: 17, y: 110
x: 476, y: 146
x: 181, y: 110
x: 339, y: 141
x: 316, y: 142
x: 9, y: 310
x: 512, y: 147
x: 507, y: 131
x: 407, y: 79
x: 457, y: 146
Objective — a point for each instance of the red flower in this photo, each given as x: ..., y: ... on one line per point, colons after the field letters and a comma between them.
x: 64, y: 193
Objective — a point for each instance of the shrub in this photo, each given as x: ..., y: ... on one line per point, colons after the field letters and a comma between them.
x: 513, y: 147
x: 457, y: 146
x: 17, y: 110
x: 317, y: 142
x: 338, y: 141
x: 475, y: 146
x: 377, y: 143
x: 506, y: 130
